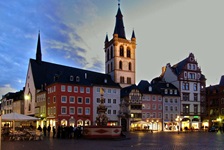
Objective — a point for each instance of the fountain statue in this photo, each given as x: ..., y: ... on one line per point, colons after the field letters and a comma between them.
x: 101, y: 129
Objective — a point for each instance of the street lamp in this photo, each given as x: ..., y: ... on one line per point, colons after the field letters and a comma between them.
x: 178, y: 119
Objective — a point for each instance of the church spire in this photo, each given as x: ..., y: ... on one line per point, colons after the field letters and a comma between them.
x: 133, y: 34
x: 119, y: 25
x: 38, y: 51
x: 106, y: 39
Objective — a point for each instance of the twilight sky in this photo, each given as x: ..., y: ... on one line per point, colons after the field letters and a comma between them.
x: 73, y: 34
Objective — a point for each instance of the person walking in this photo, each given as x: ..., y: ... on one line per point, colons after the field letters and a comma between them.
x: 48, y: 130
x: 54, y: 131
x: 39, y: 128
x: 45, y: 130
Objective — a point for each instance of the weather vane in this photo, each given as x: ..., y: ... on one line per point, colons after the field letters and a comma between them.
x: 119, y: 3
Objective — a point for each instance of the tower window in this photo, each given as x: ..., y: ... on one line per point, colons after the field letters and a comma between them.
x: 111, y: 66
x: 120, y: 64
x: 111, y: 52
x: 129, y: 66
x: 128, y: 53
x: 128, y: 80
x: 108, y: 68
x: 108, y: 58
x: 121, y: 79
x: 122, y: 51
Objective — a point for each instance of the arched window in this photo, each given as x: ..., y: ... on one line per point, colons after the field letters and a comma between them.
x: 111, y: 66
x: 108, y: 68
x: 120, y: 64
x: 121, y: 51
x: 111, y: 52
x: 128, y: 52
x: 108, y: 55
x: 129, y: 66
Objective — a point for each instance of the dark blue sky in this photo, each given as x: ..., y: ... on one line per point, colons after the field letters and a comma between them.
x: 73, y: 34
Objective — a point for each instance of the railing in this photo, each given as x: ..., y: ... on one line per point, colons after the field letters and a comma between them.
x: 190, y: 113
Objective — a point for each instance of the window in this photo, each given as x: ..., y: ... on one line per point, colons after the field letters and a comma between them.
x: 71, y: 99
x: 87, y: 111
x: 63, y: 99
x: 87, y: 90
x: 129, y: 66
x: 166, y: 108
x: 98, y: 90
x: 114, y: 101
x: 166, y: 91
x: 75, y: 89
x: 171, y: 108
x: 120, y: 64
x: 98, y: 100
x: 160, y: 107
x: 128, y: 80
x: 87, y: 100
x: 195, y: 87
x: 185, y: 86
x: 111, y: 66
x: 109, y: 100
x: 171, y: 91
x: 175, y: 92
x: 128, y: 52
x: 63, y: 88
x: 171, y: 100
x: 109, y: 111
x: 114, y: 91
x: 154, y: 106
x: 143, y: 106
x: 48, y: 100
x: 109, y: 91
x: 153, y: 98
x: 175, y: 100
x: 186, y: 109
x: 186, y: 96
x: 195, y: 97
x: 114, y: 112
x: 63, y: 110
x: 71, y: 78
x: 108, y: 58
x: 148, y: 115
x: 222, y: 100
x: 196, y: 109
x: 171, y: 117
x: 121, y: 79
x: 111, y: 52
x: 166, y: 116
x: 191, y: 76
x: 81, y: 89
x: 176, y: 108
x: 79, y: 111
x: 160, y: 115
x: 143, y: 115
x: 166, y: 100
x: 79, y: 100
x: 160, y: 98
x: 77, y: 79
x: 122, y: 51
x: 54, y: 99
x: 69, y: 88
x: 71, y: 110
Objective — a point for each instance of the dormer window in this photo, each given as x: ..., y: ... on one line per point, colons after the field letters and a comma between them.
x: 105, y: 80
x: 150, y: 89
x: 71, y: 78
x: 166, y: 91
x: 77, y: 79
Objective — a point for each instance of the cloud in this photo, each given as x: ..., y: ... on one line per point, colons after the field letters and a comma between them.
x: 5, y: 89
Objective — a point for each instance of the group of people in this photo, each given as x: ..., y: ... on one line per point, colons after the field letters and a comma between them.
x: 63, y: 131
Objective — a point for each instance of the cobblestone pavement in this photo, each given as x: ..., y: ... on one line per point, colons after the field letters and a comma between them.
x: 135, y: 141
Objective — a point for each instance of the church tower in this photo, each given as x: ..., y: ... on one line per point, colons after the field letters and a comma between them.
x: 120, y: 54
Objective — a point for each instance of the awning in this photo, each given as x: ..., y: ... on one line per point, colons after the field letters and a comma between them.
x: 185, y: 119
x: 195, y: 119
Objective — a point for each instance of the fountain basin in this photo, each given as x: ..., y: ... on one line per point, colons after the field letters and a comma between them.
x: 102, y: 132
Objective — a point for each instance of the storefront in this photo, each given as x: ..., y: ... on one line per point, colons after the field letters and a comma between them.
x: 185, y: 124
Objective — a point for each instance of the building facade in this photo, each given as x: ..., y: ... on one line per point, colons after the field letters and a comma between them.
x: 188, y: 78
x: 120, y: 60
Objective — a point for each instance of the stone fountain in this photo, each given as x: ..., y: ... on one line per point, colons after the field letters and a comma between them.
x: 101, y: 130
